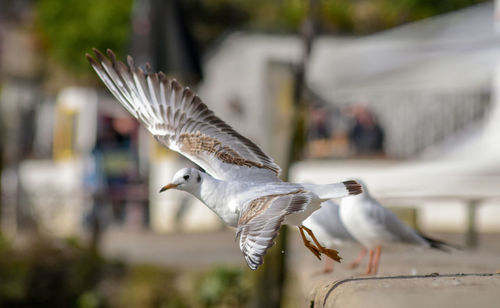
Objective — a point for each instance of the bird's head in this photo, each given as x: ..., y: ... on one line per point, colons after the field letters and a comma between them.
x: 187, y: 179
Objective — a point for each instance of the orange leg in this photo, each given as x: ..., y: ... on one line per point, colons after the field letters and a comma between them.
x: 328, y: 265
x: 378, y: 252
x: 358, y: 259
x: 370, y: 263
x: 332, y: 253
x: 308, y: 244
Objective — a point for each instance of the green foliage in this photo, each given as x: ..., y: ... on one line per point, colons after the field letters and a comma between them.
x: 224, y: 287
x: 146, y: 286
x: 89, y: 299
x: 64, y: 273
x: 70, y: 29
x: 210, y: 18
x: 4, y: 243
x: 151, y: 286
x: 46, y: 275
x: 364, y: 16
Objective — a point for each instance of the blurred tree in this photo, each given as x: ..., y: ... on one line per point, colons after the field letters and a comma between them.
x: 173, y: 47
x: 46, y: 274
x: 210, y: 18
x: 365, y: 16
x: 2, y: 141
x: 269, y: 280
x: 69, y: 30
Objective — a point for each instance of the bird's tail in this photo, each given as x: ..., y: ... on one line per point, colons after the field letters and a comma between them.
x: 438, y: 244
x: 336, y: 190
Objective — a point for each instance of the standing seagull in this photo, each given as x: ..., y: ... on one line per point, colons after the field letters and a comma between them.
x: 329, y: 230
x: 242, y: 184
x: 375, y: 226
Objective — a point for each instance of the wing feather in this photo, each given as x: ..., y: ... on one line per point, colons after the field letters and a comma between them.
x: 179, y: 120
x: 260, y: 223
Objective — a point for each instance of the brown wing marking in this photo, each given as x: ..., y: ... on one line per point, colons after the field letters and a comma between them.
x: 259, y: 205
x: 198, y: 143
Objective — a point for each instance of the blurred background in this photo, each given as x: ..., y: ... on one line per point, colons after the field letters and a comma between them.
x: 402, y: 94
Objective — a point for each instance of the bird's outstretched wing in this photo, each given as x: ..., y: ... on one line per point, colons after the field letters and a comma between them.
x: 179, y: 120
x: 260, y: 222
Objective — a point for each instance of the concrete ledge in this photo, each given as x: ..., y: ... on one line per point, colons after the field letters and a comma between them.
x: 454, y: 290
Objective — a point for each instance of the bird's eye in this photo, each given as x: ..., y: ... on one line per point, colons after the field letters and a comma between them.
x: 186, y: 177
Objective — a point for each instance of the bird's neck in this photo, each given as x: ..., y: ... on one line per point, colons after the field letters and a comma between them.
x: 352, y: 201
x: 210, y: 193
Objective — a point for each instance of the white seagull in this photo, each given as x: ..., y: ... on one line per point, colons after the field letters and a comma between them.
x: 375, y: 227
x: 330, y: 231
x: 242, y: 184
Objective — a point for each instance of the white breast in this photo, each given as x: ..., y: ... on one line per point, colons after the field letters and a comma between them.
x: 355, y: 217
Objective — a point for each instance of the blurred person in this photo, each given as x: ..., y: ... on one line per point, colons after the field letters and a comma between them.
x: 319, y: 132
x: 94, y: 220
x: 366, y: 135
x: 115, y: 153
x: 319, y: 123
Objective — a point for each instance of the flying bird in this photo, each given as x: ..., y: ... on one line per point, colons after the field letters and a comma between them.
x: 241, y: 184
x: 330, y: 231
x: 376, y: 227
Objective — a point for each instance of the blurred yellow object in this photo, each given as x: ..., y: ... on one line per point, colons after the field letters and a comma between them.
x: 64, y: 131
x: 159, y: 152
